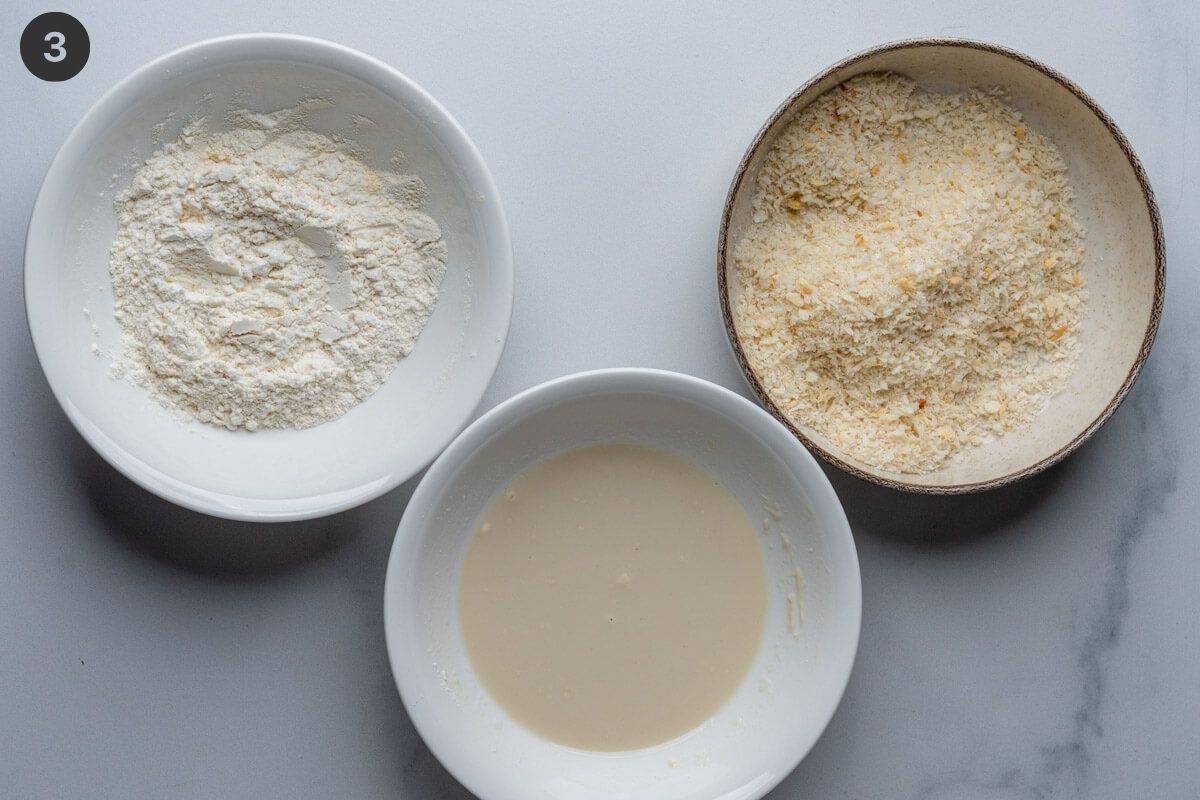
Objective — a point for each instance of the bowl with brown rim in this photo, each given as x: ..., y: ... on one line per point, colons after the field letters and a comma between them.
x: 1124, y: 265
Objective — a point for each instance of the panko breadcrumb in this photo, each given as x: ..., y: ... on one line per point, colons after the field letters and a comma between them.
x: 910, y: 283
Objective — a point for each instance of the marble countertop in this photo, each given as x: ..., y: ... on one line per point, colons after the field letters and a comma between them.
x: 1037, y: 642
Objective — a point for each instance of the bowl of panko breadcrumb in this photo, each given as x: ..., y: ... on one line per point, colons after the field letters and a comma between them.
x: 941, y: 265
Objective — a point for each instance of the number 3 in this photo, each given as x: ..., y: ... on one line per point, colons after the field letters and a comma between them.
x: 57, y: 51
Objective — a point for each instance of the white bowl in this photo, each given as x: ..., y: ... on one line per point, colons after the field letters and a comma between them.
x: 269, y: 475
x: 791, y: 690
x: 1124, y: 269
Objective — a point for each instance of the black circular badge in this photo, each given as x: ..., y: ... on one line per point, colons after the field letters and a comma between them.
x: 55, y: 46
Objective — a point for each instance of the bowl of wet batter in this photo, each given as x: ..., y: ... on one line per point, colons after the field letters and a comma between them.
x: 624, y: 583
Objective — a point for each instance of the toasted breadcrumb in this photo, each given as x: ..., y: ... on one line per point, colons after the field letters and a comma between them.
x: 957, y: 319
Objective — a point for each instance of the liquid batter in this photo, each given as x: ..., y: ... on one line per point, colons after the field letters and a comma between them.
x: 613, y: 597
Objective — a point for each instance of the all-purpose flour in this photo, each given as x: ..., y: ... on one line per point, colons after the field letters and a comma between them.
x: 266, y: 278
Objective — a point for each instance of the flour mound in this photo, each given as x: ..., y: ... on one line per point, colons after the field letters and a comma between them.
x: 265, y: 278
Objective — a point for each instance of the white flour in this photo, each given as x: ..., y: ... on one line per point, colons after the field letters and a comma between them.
x: 264, y: 278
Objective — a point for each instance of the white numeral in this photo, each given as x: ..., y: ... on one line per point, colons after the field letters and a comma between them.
x: 57, y: 51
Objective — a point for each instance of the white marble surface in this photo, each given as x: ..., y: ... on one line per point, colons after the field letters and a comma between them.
x: 1040, y: 642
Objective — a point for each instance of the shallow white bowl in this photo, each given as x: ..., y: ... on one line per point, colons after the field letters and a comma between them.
x: 278, y: 474
x: 1124, y: 269
x: 791, y: 690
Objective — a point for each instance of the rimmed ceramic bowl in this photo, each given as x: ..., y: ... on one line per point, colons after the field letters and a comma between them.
x: 273, y: 474
x: 796, y: 681
x: 1124, y: 267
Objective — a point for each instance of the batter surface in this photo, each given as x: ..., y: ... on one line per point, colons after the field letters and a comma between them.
x: 613, y: 597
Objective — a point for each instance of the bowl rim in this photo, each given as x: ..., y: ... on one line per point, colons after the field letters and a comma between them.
x: 404, y: 91
x: 734, y: 339
x: 399, y: 623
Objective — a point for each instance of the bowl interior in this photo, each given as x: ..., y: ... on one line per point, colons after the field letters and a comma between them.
x: 1121, y: 262
x: 793, y: 686
x: 277, y: 473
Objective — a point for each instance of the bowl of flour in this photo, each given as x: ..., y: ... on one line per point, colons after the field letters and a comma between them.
x: 268, y: 277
